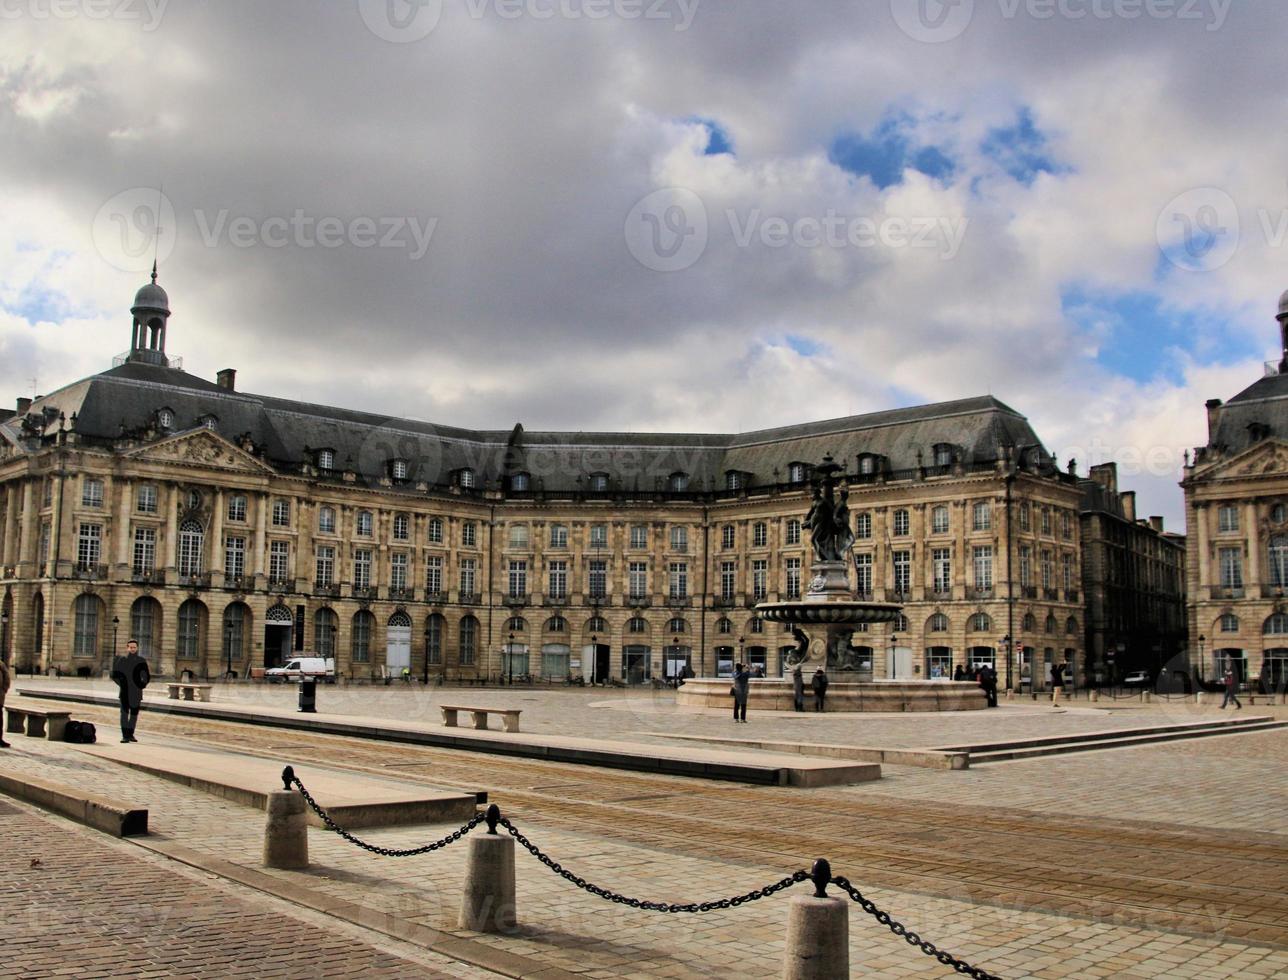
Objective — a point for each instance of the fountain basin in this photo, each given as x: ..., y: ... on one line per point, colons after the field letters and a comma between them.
x: 776, y: 694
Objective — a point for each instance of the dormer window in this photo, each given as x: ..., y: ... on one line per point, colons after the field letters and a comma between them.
x: 678, y: 482
x: 465, y: 479
x: 599, y: 482
x: 943, y: 454
x: 209, y: 422
x: 520, y: 482
x: 326, y: 459
x: 867, y: 464
x: 165, y: 419
x: 797, y: 473
x: 398, y: 469
x: 735, y: 480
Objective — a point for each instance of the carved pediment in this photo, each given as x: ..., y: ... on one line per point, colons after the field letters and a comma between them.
x: 1268, y: 458
x: 202, y: 449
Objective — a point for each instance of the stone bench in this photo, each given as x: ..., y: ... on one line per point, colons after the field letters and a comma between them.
x: 38, y: 722
x: 190, y: 692
x: 509, y: 716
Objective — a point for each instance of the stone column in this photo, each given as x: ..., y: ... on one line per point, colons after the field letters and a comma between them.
x: 10, y: 543
x: 169, y: 558
x: 259, y: 559
x: 27, y: 550
x: 1252, y: 573
x: 124, y: 556
x: 1201, y: 513
x: 215, y: 558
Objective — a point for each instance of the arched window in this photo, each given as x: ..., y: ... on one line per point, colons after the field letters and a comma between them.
x: 191, y: 545
x: 85, y: 612
x: 556, y: 624
x: 1071, y: 626
x: 1279, y: 560
x: 145, y: 624
x: 724, y: 627
x: 325, y: 625
x: 518, y: 535
x: 520, y: 482
x: 1030, y: 623
x: 326, y: 520
x: 678, y: 482
x: 938, y: 623
x: 465, y: 480
x: 364, y: 625
x: 400, y: 620
x: 1277, y: 625
x: 469, y: 641
x: 596, y: 624
x: 435, y: 626
x: 733, y: 480
x: 981, y: 623
x: 1229, y: 623
x: 516, y: 624
x: 637, y: 625
x: 236, y: 631
x: 192, y: 616
x: 398, y: 469
x: 677, y: 625
x: 1050, y: 625
x: 326, y: 459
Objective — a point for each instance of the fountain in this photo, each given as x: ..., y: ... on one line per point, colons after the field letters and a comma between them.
x: 823, y: 623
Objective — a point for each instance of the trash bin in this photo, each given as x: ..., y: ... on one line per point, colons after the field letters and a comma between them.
x: 308, y: 695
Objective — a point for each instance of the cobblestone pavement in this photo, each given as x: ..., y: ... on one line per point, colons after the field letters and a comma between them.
x: 1088, y: 865
x: 77, y: 903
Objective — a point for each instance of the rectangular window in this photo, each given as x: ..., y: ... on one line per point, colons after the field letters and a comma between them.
x: 982, y: 558
x: 278, y: 560
x: 1066, y: 566
x: 759, y: 580
x: 469, y: 641
x: 558, y: 588
x: 436, y: 530
x: 234, y: 556
x: 46, y: 531
x: 982, y: 516
x: 1048, y: 570
x: 363, y: 524
x: 518, y: 579
x: 89, y: 547
x: 91, y: 492
x: 468, y: 572
x: 863, y: 526
x: 1046, y: 520
x: 469, y: 534
x: 942, y: 564
x: 863, y: 574
x: 1026, y: 566
x: 362, y: 569
x: 434, y: 574
x: 326, y: 521
x: 398, y: 570
x: 939, y: 520
x: 47, y: 492
x: 1231, y: 561
x: 325, y: 566
x: 727, y: 537
x: 559, y: 536
x: 434, y: 640
x: 599, y: 535
x: 679, y: 580
x: 793, y: 578
x: 1066, y: 525
x: 1025, y: 518
x: 901, y: 524
x: 679, y: 539
x: 639, y: 536
x: 145, y: 550
x: 793, y: 532
x: 760, y: 536
x: 902, y: 564
x: 145, y: 499
x: 402, y: 527
x: 281, y: 513
x: 728, y: 580
x: 639, y: 579
x: 237, y: 508
x: 598, y: 579
x: 1227, y: 519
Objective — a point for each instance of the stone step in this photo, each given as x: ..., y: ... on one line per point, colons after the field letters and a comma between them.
x: 1112, y: 733
x: 1128, y: 741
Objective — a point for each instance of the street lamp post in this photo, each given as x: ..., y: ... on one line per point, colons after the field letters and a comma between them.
x: 116, y: 622
x: 509, y: 656
x: 1202, y: 640
x: 4, y: 637
x: 228, y: 649
x: 890, y: 668
x: 594, y: 658
x: 741, y: 641
x: 1005, y: 644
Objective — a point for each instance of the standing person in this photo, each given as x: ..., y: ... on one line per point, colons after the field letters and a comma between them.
x: 959, y: 673
x: 989, y: 680
x: 1231, y: 689
x: 798, y: 690
x: 4, y: 689
x: 130, y: 674
x: 819, y: 684
x: 740, y: 690
x: 1057, y: 683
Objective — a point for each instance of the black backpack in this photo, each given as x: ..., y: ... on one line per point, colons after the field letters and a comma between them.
x: 80, y: 733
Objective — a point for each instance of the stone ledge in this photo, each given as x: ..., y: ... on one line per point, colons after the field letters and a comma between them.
x: 110, y: 816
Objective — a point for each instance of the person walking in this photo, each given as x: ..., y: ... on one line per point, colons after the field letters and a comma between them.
x: 1057, y: 683
x: 798, y: 690
x: 988, y: 680
x: 130, y: 674
x: 4, y: 689
x: 819, y: 684
x: 1231, y: 689
x: 740, y: 690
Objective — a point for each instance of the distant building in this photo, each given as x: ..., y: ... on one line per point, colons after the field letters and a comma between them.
x: 1133, y: 575
x: 1236, y: 505
x: 227, y: 530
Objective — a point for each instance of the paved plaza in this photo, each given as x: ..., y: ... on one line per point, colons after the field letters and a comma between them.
x: 1164, y: 860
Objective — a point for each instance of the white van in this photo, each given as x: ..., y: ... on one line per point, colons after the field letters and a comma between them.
x: 302, y: 668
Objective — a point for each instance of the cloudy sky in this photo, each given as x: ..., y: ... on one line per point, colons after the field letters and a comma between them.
x: 661, y: 214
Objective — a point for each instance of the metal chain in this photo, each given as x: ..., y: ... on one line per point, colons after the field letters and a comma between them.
x: 451, y: 838
x: 636, y: 903
x: 910, y: 937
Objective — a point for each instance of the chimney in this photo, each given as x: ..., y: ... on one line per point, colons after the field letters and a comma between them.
x: 227, y: 379
x: 1157, y: 524
x: 1106, y: 474
x: 23, y: 405
x: 1128, y: 499
x: 1212, y: 405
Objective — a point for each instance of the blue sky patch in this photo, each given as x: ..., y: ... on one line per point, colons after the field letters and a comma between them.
x: 804, y: 346
x: 1021, y: 150
x: 888, y: 151
x: 36, y: 305
x: 718, y: 140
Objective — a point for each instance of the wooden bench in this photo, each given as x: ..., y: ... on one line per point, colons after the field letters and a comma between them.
x: 38, y: 722
x: 509, y: 716
x: 190, y: 692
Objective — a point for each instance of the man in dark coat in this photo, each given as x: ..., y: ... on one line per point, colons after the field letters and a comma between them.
x: 4, y: 689
x: 819, y: 684
x: 130, y: 674
x: 988, y: 680
x: 741, y: 690
x: 798, y: 690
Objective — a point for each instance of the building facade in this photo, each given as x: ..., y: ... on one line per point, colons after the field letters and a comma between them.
x: 227, y: 531
x: 1133, y: 574
x: 1236, y: 504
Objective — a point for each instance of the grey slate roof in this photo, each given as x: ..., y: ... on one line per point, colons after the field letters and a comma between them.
x: 126, y: 399
x: 1264, y: 403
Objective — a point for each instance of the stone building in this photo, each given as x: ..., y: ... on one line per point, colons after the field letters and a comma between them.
x: 227, y: 530
x: 1133, y: 576
x: 1236, y: 507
